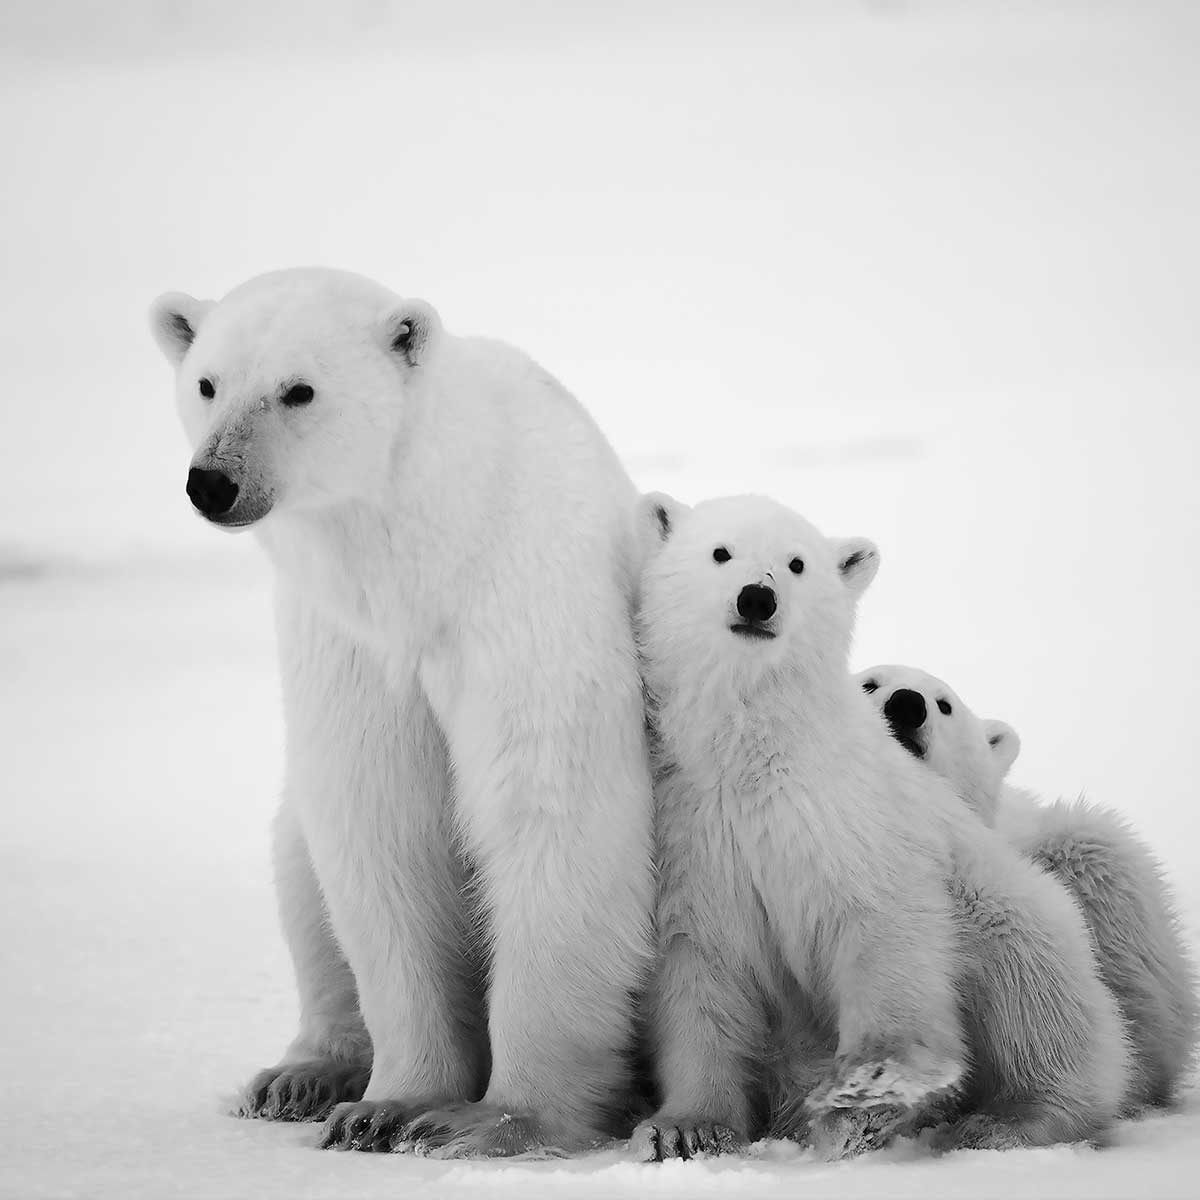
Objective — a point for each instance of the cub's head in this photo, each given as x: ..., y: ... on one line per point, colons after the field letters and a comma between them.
x: 934, y: 725
x: 293, y: 389
x: 743, y: 586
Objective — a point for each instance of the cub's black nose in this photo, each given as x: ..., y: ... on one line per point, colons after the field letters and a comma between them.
x: 905, y: 709
x: 212, y: 492
x: 756, y: 602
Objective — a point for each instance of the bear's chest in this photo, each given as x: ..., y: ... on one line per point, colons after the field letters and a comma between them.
x: 774, y: 812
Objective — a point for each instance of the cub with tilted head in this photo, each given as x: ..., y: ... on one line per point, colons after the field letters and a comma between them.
x: 1117, y: 880
x: 833, y: 925
x: 455, y: 561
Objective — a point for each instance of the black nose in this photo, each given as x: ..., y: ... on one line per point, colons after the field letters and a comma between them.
x: 212, y: 492
x: 756, y: 602
x: 905, y: 709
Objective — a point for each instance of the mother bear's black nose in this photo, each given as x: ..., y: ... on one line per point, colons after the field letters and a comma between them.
x: 212, y: 492
x: 905, y: 709
x: 756, y: 602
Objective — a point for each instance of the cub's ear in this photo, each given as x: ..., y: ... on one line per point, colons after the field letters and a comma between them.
x: 408, y: 330
x: 657, y: 515
x: 1003, y: 742
x: 175, y: 319
x: 857, y: 560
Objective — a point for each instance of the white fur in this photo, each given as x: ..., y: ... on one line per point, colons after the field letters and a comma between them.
x: 1117, y: 881
x: 812, y: 870
x: 466, y: 774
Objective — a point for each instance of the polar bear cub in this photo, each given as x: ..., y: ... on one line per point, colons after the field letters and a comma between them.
x: 1112, y: 873
x: 463, y: 851
x: 808, y: 864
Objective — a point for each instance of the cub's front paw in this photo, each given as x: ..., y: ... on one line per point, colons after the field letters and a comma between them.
x: 304, y: 1091
x: 894, y: 1080
x: 848, y: 1132
x: 666, y: 1137
x: 370, y: 1125
x: 484, y: 1130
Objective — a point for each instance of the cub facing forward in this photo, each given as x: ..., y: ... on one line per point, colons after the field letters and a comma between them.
x: 808, y: 865
x: 1115, y: 877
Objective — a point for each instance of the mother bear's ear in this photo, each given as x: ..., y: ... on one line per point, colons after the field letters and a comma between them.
x: 175, y: 319
x: 409, y: 330
x: 657, y: 515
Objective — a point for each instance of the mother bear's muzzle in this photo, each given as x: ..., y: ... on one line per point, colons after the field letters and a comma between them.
x: 212, y: 493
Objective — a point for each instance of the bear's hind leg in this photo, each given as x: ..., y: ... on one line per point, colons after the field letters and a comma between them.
x: 330, y: 1059
x: 708, y: 1016
x: 1034, y: 1125
x: 1050, y: 1056
x: 1139, y: 945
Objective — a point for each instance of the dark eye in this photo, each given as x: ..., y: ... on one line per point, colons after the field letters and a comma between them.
x: 720, y: 554
x: 870, y: 685
x: 944, y: 706
x: 298, y: 393
x: 796, y: 566
x: 206, y: 389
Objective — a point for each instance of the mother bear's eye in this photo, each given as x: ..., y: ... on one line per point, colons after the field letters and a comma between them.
x: 944, y: 706
x: 298, y: 393
x: 721, y: 555
x: 796, y: 566
x: 206, y: 389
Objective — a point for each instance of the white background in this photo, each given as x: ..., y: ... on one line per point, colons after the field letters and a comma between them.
x: 929, y: 272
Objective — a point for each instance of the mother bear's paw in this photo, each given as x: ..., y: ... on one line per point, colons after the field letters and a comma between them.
x: 301, y: 1091
x: 370, y: 1125
x: 485, y: 1130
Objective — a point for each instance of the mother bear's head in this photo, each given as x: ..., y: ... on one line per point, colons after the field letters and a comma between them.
x: 293, y: 389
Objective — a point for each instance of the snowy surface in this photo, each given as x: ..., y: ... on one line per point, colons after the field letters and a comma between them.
x: 929, y: 272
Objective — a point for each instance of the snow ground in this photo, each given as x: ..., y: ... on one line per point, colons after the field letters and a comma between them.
x: 927, y: 271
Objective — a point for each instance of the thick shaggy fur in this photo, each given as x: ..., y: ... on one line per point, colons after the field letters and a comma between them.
x: 464, y: 848
x: 819, y: 885
x: 1126, y: 899
x: 1111, y: 872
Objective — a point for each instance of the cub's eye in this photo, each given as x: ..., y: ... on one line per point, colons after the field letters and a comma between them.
x: 796, y: 566
x: 870, y: 685
x: 298, y: 393
x: 944, y: 706
x: 721, y: 555
x: 206, y: 389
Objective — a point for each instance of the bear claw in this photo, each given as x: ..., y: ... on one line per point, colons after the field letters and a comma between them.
x: 685, y: 1138
x: 479, y: 1130
x: 372, y: 1126
x: 305, y: 1091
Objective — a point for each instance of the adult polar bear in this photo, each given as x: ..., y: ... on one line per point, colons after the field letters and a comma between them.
x: 455, y: 558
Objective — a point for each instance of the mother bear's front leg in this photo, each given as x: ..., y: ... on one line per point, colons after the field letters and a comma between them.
x: 369, y: 783
x: 553, y: 794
